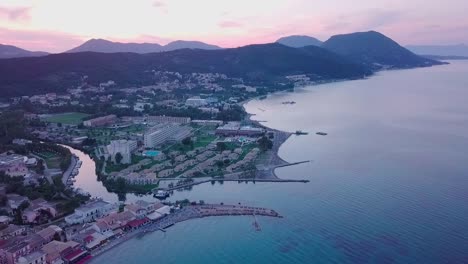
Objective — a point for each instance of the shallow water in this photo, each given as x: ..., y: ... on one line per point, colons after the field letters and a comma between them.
x: 388, y: 184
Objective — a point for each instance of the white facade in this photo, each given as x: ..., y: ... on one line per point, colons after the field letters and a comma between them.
x: 160, y: 135
x: 196, y: 102
x: 124, y: 147
x: 90, y: 212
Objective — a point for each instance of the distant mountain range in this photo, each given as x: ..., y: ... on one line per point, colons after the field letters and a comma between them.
x: 375, y: 50
x: 348, y: 56
x: 105, y: 46
x: 297, y: 41
x: 8, y: 51
x: 460, y: 50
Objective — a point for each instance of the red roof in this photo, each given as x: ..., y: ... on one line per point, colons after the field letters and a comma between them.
x: 88, y: 239
x: 84, y: 260
x: 74, y: 254
x: 137, y: 222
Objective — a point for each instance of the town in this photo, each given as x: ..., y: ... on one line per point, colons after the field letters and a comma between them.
x: 183, y: 131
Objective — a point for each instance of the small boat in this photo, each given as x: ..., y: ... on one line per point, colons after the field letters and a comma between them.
x: 160, y: 194
x: 289, y: 102
x: 321, y: 133
x: 300, y: 132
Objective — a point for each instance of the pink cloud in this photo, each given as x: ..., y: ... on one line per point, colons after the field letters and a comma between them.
x: 229, y: 24
x: 49, y: 41
x: 16, y: 13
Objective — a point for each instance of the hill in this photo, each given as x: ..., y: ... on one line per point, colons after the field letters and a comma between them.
x: 296, y: 41
x: 375, y: 50
x: 8, y: 51
x: 258, y: 64
x: 460, y: 50
x: 106, y: 46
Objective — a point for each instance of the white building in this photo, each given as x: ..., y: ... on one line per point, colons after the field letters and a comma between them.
x: 124, y: 147
x: 89, y: 212
x: 196, y: 102
x: 159, y: 135
x: 140, y: 107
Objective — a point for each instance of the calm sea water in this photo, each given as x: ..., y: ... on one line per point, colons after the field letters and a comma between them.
x: 389, y: 184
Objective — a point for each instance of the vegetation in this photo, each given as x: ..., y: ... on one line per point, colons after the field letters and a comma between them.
x: 66, y: 118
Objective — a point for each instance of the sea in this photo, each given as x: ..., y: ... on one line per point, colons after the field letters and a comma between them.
x: 388, y: 184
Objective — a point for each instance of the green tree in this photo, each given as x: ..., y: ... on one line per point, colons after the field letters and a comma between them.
x: 118, y: 157
x: 221, y: 146
x: 265, y: 143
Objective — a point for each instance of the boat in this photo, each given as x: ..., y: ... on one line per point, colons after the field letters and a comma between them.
x: 289, y: 102
x: 160, y: 194
x: 300, y: 132
x: 321, y: 133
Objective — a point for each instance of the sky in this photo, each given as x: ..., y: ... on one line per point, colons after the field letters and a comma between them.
x: 59, y: 25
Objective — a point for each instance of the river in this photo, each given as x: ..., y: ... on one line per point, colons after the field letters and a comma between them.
x: 388, y: 184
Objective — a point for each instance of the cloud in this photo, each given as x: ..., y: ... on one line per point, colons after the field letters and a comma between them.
x: 15, y: 13
x: 363, y: 20
x: 49, y: 41
x: 229, y: 24
x: 159, y: 4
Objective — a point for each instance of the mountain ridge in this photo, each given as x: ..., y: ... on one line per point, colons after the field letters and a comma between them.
x: 106, y: 46
x: 299, y: 41
x: 10, y: 51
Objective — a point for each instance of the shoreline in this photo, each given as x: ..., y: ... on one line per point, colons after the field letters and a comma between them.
x: 186, y: 214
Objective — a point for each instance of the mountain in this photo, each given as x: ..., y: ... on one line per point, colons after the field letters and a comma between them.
x: 441, y: 50
x: 296, y: 41
x: 102, y: 45
x: 8, y: 51
x: 183, y: 44
x: 264, y: 64
x: 375, y: 50
x: 105, y: 46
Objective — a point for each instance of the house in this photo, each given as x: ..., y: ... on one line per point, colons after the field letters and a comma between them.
x: 137, y: 223
x: 15, y: 200
x: 12, y: 231
x: 12, y: 249
x: 51, y: 232
x: 38, y: 208
x: 56, y: 249
x: 117, y: 220
x: 36, y: 257
x: 89, y: 212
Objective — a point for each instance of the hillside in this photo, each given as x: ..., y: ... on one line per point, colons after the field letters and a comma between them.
x: 296, y: 41
x: 105, y: 46
x: 8, y: 51
x: 260, y: 64
x: 375, y: 50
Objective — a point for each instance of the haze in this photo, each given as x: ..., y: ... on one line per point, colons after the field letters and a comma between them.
x: 57, y: 25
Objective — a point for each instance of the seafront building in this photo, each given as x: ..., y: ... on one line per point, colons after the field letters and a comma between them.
x: 89, y: 212
x: 159, y: 135
x: 235, y: 129
x: 124, y: 147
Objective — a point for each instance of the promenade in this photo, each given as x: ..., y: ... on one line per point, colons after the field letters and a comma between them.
x: 184, y: 214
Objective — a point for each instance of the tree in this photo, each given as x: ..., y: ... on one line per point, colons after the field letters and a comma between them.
x: 187, y: 141
x: 118, y: 157
x: 265, y: 143
x: 221, y: 146
x: 40, y: 166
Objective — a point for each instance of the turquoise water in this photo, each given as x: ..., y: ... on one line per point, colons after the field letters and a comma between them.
x: 151, y: 153
x: 388, y: 184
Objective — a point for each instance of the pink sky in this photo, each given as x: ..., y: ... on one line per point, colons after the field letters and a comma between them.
x: 59, y: 25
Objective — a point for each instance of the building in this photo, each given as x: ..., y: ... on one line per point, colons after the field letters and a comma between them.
x: 208, y: 122
x: 159, y: 135
x: 124, y: 147
x: 56, y: 249
x: 15, y: 201
x: 168, y: 119
x: 140, y: 107
x: 12, y: 231
x: 36, y: 257
x: 235, y: 129
x: 196, y: 102
x: 100, y: 121
x: 90, y: 212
